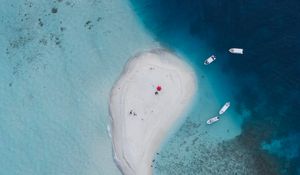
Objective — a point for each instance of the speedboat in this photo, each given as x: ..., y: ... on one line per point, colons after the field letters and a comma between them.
x: 236, y: 50
x: 209, y: 60
x: 224, y: 108
x: 213, y: 120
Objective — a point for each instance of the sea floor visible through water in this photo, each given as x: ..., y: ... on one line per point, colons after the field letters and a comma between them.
x: 263, y: 84
x: 59, y: 60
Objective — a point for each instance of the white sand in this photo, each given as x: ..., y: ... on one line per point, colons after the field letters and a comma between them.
x: 136, y: 138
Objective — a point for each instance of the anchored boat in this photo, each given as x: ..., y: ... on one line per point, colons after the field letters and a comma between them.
x: 236, y: 50
x: 209, y: 60
x: 213, y: 120
x: 224, y: 108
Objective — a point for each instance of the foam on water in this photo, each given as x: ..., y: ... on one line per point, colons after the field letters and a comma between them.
x: 59, y: 60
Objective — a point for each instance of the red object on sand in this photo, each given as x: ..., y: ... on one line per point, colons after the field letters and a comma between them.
x: 158, y: 88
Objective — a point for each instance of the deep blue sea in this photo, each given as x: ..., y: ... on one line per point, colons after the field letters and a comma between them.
x: 59, y: 59
x: 264, y: 82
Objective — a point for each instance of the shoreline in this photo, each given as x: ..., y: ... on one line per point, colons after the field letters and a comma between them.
x: 141, y: 115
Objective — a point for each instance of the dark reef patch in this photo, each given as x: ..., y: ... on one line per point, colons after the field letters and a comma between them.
x: 88, y: 24
x: 266, y: 77
x: 62, y: 29
x: 197, y: 156
x: 41, y: 24
x: 54, y: 10
x: 20, y: 42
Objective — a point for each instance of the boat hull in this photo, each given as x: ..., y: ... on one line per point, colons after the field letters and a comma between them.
x: 213, y: 120
x: 224, y: 108
x: 236, y: 51
x: 209, y: 60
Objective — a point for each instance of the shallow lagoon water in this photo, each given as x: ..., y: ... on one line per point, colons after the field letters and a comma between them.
x: 59, y: 60
x: 263, y: 83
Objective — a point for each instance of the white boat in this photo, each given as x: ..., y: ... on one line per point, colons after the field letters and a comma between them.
x: 224, y: 108
x: 209, y: 60
x: 213, y: 120
x: 236, y: 50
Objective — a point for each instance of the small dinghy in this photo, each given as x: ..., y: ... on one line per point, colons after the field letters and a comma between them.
x: 209, y: 60
x: 236, y: 50
x: 213, y: 120
x: 224, y: 108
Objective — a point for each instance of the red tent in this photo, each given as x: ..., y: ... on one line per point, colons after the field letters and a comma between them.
x: 158, y: 88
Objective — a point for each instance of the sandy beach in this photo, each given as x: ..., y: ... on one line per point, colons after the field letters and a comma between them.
x: 153, y: 91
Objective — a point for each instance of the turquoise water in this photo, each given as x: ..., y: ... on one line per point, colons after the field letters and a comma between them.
x: 263, y: 84
x: 59, y: 60
x: 193, y: 147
